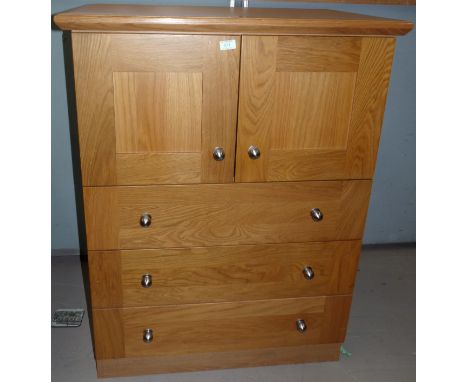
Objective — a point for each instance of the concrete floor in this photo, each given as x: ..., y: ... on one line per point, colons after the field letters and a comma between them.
x: 381, y: 333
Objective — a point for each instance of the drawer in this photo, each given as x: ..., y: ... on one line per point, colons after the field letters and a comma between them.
x: 224, y: 214
x: 198, y: 328
x: 217, y: 274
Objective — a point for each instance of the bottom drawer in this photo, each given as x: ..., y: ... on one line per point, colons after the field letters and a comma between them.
x: 214, y: 327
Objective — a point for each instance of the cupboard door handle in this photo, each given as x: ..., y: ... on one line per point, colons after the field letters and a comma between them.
x: 148, y: 335
x: 301, y: 326
x: 316, y: 214
x: 145, y: 220
x: 254, y: 152
x: 146, y: 280
x: 308, y: 273
x: 218, y: 153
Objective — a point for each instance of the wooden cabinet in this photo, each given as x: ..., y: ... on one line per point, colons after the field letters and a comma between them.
x: 227, y: 159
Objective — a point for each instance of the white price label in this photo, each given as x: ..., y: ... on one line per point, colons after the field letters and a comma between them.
x: 227, y: 44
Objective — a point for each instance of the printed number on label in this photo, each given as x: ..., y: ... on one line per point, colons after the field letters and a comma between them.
x: 227, y: 44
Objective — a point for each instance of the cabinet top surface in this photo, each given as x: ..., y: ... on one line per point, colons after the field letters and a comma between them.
x: 215, y: 20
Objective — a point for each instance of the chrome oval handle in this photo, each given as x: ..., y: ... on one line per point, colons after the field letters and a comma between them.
x: 308, y: 272
x: 301, y: 326
x: 148, y: 335
x: 254, y: 152
x: 145, y: 220
x: 146, y: 280
x: 218, y: 153
x: 316, y: 214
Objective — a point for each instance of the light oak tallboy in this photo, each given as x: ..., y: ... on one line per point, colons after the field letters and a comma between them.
x: 227, y: 158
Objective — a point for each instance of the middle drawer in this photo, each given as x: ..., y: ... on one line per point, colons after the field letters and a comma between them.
x: 204, y: 215
x: 218, y: 274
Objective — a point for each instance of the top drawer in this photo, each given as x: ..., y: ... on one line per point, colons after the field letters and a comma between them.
x: 224, y: 214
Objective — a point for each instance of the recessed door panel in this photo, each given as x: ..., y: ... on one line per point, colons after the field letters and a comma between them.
x: 311, y: 110
x: 158, y: 112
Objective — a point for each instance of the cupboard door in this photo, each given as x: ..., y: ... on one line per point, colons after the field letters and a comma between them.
x: 311, y: 106
x: 152, y: 108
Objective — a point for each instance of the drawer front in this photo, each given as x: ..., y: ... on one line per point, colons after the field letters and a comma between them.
x: 200, y: 328
x: 218, y: 274
x: 224, y: 214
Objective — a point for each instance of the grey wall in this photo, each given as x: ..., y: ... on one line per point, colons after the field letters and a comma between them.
x: 392, y: 211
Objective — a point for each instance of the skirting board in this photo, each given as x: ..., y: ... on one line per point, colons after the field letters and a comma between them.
x: 220, y: 360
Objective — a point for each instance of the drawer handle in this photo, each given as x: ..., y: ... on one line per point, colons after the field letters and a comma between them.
x: 218, y: 153
x: 148, y: 335
x: 254, y: 152
x: 301, y: 326
x: 308, y: 273
x: 145, y: 220
x: 146, y: 280
x: 316, y: 214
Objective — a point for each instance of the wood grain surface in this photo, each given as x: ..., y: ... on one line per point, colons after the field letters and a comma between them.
x: 217, y: 360
x: 158, y: 112
x: 313, y: 105
x: 152, y: 108
x: 256, y: 89
x: 229, y: 326
x: 95, y: 108
x: 155, y: 168
x: 149, y: 18
x: 311, y: 111
x: 369, y: 106
x: 228, y: 240
x: 318, y: 54
x: 220, y: 97
x: 158, y: 53
x: 229, y: 214
x: 218, y: 274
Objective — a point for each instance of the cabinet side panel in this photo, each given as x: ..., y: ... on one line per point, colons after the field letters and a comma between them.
x: 95, y: 107
x: 109, y: 339
x: 105, y: 278
x: 369, y: 105
x: 336, y: 317
x: 102, y: 217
